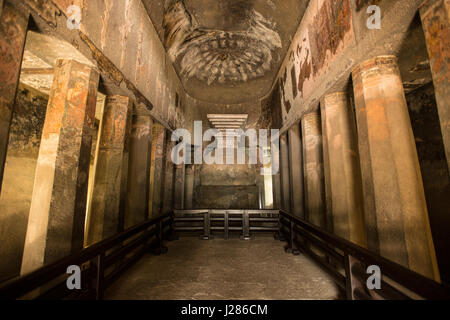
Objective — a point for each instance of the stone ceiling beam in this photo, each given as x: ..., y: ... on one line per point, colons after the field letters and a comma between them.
x: 230, y: 116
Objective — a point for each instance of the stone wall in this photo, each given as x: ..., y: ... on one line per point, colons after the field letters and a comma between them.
x: 124, y: 33
x: 119, y: 38
x: 331, y: 40
x: 225, y: 186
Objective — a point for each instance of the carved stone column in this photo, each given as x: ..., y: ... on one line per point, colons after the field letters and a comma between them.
x: 276, y: 178
x: 168, y: 190
x: 296, y: 171
x: 189, y: 186
x: 139, y: 170
x: 58, y: 207
x: 436, y: 24
x: 13, y: 30
x: 285, y: 174
x: 179, y: 186
x: 313, y: 168
x: 395, y: 206
x: 104, y: 218
x: 159, y: 169
x: 343, y: 172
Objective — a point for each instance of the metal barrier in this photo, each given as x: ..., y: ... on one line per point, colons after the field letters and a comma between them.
x: 206, y: 222
x: 347, y: 263
x: 101, y: 264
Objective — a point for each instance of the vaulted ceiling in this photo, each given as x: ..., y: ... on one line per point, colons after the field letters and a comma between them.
x: 226, y: 51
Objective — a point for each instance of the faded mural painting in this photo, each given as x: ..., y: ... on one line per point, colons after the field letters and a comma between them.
x: 143, y: 67
x: 327, y: 29
x: 218, y: 55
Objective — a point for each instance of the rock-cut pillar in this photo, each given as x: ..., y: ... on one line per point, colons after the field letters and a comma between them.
x: 276, y: 177
x: 159, y: 169
x: 13, y: 30
x: 285, y: 174
x: 189, y: 186
x: 395, y: 207
x: 435, y: 16
x: 104, y: 217
x: 169, y: 177
x: 342, y: 170
x: 58, y: 206
x: 138, y: 184
x: 179, y: 187
x: 296, y: 171
x: 313, y: 169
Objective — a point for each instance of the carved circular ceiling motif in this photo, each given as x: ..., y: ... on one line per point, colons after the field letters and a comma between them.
x: 217, y: 55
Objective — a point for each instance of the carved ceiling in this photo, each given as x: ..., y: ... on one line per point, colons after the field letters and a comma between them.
x: 226, y: 51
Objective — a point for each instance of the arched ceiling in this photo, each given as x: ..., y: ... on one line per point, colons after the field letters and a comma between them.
x: 226, y: 51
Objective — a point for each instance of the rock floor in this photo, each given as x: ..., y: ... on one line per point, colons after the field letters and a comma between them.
x: 224, y: 269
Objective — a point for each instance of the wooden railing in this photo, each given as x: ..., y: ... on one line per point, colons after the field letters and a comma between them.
x: 207, y: 222
x: 100, y: 263
x: 347, y: 263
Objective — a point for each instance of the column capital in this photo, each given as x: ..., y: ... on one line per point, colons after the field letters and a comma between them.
x: 119, y: 99
x: 138, y: 113
x: 115, y: 117
x: 334, y: 102
x: 336, y: 95
x: 60, y: 62
x: 311, y: 123
x: 379, y: 64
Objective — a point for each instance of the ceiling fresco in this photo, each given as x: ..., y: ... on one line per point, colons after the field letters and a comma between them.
x: 220, y: 55
x: 226, y: 51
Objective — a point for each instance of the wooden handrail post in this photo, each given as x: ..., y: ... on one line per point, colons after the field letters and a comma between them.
x: 160, y: 235
x: 206, y: 225
x: 172, y: 235
x: 348, y: 278
x: 292, y: 246
x: 292, y: 235
x: 245, y: 226
x: 226, y: 225
x: 354, y: 287
x: 277, y: 235
x: 100, y: 276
